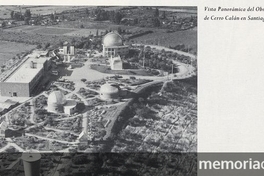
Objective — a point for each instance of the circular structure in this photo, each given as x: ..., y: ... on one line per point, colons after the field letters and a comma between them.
x: 112, y: 39
x: 70, y: 107
x: 56, y: 100
x: 109, y: 92
x: 65, y: 43
x: 31, y: 162
x: 30, y: 157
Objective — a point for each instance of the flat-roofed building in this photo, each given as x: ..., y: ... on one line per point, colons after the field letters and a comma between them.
x: 22, y: 81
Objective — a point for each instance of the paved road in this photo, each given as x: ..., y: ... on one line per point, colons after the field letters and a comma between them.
x: 50, y: 139
x: 11, y: 144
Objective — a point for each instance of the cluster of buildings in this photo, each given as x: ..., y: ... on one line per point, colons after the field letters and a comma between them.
x: 67, y: 52
x: 28, y: 76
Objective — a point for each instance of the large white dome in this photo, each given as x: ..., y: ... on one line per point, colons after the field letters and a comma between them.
x: 109, y: 92
x: 108, y: 88
x: 112, y: 39
x: 56, y: 97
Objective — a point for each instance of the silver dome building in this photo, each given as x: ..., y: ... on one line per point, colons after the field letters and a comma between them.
x: 113, y: 45
x: 109, y: 92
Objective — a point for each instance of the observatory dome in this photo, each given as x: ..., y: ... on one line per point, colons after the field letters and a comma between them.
x: 56, y: 97
x: 112, y: 39
x: 109, y: 91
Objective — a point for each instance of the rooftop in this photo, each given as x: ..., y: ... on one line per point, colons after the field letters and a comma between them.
x: 25, y: 73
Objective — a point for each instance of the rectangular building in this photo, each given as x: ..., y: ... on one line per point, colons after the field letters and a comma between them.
x: 25, y: 78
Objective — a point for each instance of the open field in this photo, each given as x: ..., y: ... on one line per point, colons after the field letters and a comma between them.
x: 84, y: 32
x: 41, y: 10
x: 180, y: 10
x: 44, y: 10
x: 103, y: 25
x: 33, y: 38
x: 41, y: 30
x: 10, y: 49
x: 188, y: 37
x: 72, y: 28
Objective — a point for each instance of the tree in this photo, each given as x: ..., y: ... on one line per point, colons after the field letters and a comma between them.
x: 119, y: 30
x: 26, y: 21
x: 18, y: 16
x: 156, y: 12
x: 156, y: 22
x: 73, y: 41
x: 12, y: 14
x: 163, y: 15
x: 39, y: 46
x: 106, y: 31
x: 81, y: 26
x: 3, y: 24
x: 118, y: 17
x: 141, y: 100
x: 27, y: 14
x: 83, y: 79
x: 52, y: 17
x: 46, y: 45
x: 87, y: 12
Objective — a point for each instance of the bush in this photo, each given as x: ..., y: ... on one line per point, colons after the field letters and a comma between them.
x: 83, y: 79
x: 79, y: 159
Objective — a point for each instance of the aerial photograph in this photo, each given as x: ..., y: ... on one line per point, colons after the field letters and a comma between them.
x: 98, y: 90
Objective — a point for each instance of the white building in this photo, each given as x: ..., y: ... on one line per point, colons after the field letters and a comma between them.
x: 116, y: 63
x: 109, y: 92
x: 67, y: 51
x: 3, y: 127
x: 70, y: 107
x: 113, y: 45
x: 57, y: 103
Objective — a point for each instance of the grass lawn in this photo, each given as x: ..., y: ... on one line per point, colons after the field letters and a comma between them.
x: 41, y: 30
x: 106, y: 69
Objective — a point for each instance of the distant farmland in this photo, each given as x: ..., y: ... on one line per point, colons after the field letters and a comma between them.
x: 41, y: 30
x: 188, y: 37
x: 10, y: 49
x: 38, y: 10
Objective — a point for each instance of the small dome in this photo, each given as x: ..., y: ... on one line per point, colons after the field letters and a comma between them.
x: 56, y: 97
x: 108, y: 88
x: 65, y: 43
x: 112, y: 39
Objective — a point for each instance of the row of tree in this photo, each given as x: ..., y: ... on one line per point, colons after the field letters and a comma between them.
x: 20, y: 17
x: 102, y: 15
